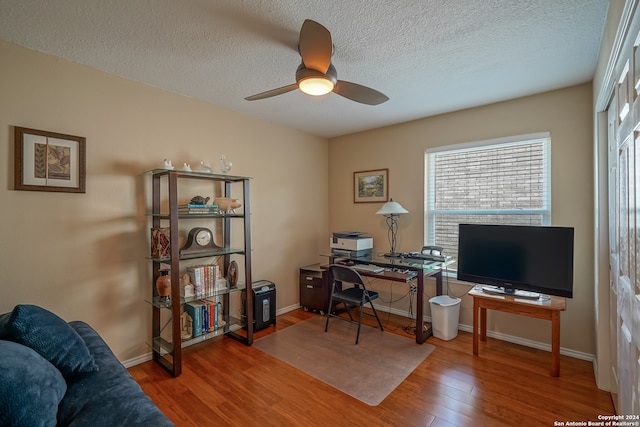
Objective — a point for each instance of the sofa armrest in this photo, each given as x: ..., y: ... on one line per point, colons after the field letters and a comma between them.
x: 108, y: 397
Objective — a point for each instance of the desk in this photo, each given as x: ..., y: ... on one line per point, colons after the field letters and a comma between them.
x: 541, y: 309
x: 421, y: 270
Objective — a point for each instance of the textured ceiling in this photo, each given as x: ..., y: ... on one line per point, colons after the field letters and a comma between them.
x: 428, y: 57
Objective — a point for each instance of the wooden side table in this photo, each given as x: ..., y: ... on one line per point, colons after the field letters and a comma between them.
x: 542, y: 309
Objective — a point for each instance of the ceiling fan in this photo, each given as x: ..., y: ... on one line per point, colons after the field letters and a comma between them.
x: 316, y: 75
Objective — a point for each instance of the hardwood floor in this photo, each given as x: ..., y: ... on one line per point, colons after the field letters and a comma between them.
x: 225, y: 383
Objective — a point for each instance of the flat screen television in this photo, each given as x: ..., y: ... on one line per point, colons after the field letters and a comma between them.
x: 535, y: 259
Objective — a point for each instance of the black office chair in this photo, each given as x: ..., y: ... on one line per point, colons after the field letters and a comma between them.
x: 355, y: 296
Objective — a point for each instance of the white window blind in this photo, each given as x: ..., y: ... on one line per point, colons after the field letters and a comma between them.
x: 504, y: 181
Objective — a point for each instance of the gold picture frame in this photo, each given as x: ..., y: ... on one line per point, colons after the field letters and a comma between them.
x: 49, y: 161
x: 371, y: 186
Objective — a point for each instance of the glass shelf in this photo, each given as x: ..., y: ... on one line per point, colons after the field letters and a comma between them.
x: 198, y: 215
x: 164, y: 347
x: 167, y: 186
x: 156, y: 302
x: 203, y: 254
x: 233, y: 325
x: 194, y: 174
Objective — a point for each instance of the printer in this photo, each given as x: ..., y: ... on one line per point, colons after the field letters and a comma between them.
x: 352, y: 243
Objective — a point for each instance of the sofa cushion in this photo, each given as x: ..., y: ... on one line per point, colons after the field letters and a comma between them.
x: 51, y: 337
x: 109, y: 397
x: 30, y: 387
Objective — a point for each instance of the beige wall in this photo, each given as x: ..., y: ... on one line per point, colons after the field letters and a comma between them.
x: 83, y: 255
x: 566, y: 113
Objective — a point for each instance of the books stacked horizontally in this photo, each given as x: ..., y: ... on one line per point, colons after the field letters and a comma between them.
x: 192, y: 208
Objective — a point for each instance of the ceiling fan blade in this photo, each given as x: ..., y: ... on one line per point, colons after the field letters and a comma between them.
x: 272, y: 92
x: 315, y: 46
x: 359, y: 93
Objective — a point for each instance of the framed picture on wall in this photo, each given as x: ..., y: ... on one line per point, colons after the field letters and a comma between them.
x: 49, y: 161
x: 371, y: 186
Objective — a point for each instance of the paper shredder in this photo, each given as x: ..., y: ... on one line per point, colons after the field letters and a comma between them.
x: 264, y: 304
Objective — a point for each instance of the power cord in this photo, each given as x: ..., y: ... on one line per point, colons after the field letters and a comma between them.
x: 445, y: 275
x: 410, y: 327
x: 370, y: 281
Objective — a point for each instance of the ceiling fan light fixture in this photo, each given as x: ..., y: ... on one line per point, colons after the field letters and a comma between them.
x: 316, y: 86
x: 316, y: 75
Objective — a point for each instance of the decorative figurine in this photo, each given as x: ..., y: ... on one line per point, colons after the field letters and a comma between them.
x: 227, y: 205
x: 199, y: 200
x: 187, y: 167
x: 167, y: 165
x: 204, y: 167
x: 221, y: 321
x: 225, y: 166
x: 186, y: 326
x: 188, y: 289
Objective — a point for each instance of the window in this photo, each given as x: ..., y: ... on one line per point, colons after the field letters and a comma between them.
x: 505, y: 181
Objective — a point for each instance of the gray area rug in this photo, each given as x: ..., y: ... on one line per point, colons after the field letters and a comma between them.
x: 368, y: 371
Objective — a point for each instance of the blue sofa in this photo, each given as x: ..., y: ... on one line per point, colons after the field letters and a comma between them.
x: 54, y: 373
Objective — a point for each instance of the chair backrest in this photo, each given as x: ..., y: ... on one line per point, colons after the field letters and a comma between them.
x: 343, y: 273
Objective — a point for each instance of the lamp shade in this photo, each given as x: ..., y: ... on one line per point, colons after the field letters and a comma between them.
x: 392, y: 208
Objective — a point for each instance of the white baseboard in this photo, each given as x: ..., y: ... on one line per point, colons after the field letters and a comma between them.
x: 148, y: 356
x: 503, y: 337
x: 466, y: 328
x: 533, y: 344
x: 287, y: 309
x: 137, y: 360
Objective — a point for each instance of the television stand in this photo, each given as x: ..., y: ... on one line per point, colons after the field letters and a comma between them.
x: 516, y: 293
x: 548, y: 309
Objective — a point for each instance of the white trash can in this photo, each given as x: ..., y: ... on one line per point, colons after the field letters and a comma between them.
x: 445, y: 313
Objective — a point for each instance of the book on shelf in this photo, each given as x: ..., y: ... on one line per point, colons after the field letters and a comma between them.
x: 191, y: 208
x: 203, y: 278
x: 214, y: 311
x: 214, y: 315
x: 195, y: 205
x: 197, y: 211
x: 204, y: 316
x: 194, y: 310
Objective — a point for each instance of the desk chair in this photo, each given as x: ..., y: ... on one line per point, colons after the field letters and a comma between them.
x: 355, y: 296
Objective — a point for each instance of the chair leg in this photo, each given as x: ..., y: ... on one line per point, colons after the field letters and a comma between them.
x: 359, y: 323
x: 376, y: 314
x: 326, y: 325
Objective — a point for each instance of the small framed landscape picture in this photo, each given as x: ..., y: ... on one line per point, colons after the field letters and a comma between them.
x: 371, y: 186
x: 49, y: 161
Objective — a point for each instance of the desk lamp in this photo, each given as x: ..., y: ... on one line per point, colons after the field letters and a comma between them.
x: 392, y: 210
